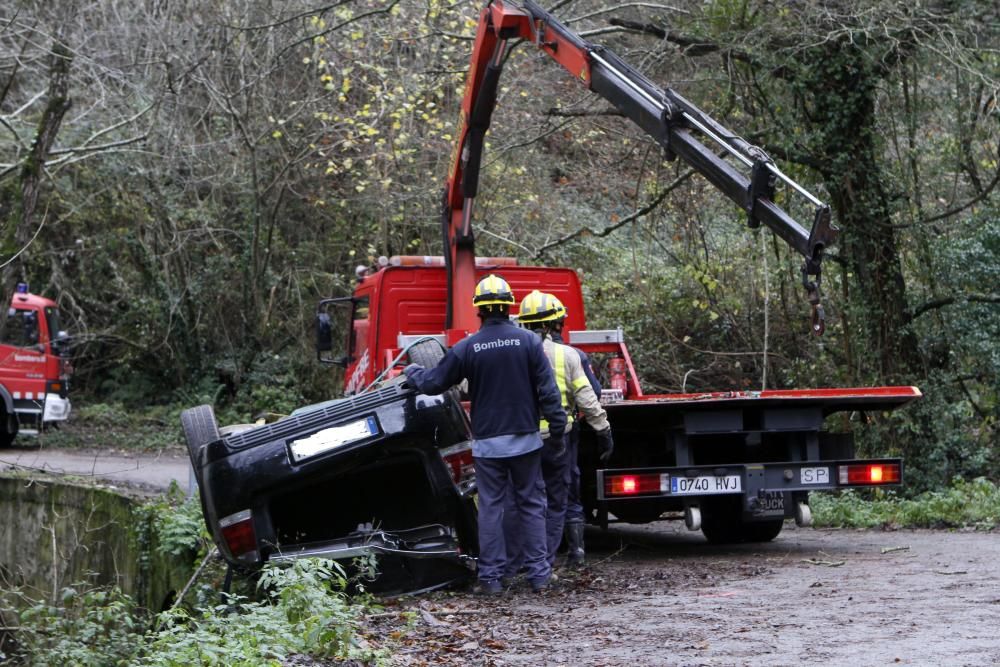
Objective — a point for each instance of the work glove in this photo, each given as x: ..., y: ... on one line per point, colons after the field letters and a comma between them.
x: 557, y: 444
x: 407, y: 371
x: 605, y: 445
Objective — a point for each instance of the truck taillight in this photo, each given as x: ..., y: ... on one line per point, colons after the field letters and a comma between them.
x: 239, y: 535
x: 458, y: 458
x: 637, y: 484
x: 871, y: 474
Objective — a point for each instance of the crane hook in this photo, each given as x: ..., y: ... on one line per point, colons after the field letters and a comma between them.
x: 818, y: 319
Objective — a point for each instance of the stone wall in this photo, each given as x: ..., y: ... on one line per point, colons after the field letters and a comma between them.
x: 54, y: 533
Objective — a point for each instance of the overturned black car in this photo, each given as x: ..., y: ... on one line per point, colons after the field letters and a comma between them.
x: 388, y: 472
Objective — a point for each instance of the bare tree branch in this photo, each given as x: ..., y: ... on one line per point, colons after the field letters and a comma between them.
x: 342, y: 24
x: 635, y: 215
x: 949, y: 300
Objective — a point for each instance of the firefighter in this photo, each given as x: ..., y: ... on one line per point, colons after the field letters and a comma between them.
x: 573, y: 531
x: 541, y: 312
x: 509, y: 379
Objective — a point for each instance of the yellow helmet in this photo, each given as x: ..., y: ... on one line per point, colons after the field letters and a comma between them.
x: 541, y: 307
x: 493, y: 291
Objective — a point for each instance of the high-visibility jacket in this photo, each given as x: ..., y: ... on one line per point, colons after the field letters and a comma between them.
x: 574, y: 387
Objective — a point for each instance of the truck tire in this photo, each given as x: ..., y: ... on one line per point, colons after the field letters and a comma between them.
x: 428, y: 353
x: 8, y: 429
x: 200, y: 428
x: 762, y: 531
x: 721, y: 520
x: 722, y: 523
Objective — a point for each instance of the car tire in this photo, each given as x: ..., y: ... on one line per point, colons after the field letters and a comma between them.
x: 428, y: 353
x: 200, y: 428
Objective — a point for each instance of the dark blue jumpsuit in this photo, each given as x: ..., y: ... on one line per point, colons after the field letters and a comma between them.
x: 509, y: 380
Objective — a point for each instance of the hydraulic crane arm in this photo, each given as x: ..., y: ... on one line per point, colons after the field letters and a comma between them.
x: 681, y: 128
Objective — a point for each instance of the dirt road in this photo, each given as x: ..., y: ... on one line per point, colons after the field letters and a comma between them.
x: 663, y: 596
x: 151, y: 472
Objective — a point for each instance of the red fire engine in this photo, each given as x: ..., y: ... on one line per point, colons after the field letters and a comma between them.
x: 34, y: 366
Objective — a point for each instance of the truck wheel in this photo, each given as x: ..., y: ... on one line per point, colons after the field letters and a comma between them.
x: 428, y: 354
x: 762, y: 531
x: 721, y: 520
x: 9, y: 432
x: 200, y: 428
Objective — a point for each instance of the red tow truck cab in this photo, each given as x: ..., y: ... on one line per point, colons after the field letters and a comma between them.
x: 34, y: 366
x: 405, y: 300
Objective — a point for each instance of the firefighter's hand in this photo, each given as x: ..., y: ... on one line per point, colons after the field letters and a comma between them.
x: 407, y: 371
x: 557, y: 443
x: 605, y: 445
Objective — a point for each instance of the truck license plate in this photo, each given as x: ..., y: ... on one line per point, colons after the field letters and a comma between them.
x: 333, y: 437
x: 705, y: 484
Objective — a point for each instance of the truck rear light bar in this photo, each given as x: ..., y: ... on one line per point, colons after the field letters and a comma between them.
x: 636, y: 484
x: 240, y: 537
x: 870, y: 474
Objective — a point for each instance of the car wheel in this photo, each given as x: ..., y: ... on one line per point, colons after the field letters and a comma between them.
x: 200, y: 428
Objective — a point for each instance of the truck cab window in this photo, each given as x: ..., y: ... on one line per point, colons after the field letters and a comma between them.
x: 21, y: 329
x: 359, y: 328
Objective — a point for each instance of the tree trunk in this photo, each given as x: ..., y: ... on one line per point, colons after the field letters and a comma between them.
x: 845, y: 118
x: 33, y: 170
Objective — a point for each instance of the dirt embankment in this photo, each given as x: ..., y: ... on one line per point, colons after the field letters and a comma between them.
x: 662, y: 596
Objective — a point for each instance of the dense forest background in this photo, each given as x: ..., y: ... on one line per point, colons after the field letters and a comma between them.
x: 187, y: 179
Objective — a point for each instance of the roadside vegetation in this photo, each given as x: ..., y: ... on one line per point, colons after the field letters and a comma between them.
x: 971, y: 504
x: 310, y: 609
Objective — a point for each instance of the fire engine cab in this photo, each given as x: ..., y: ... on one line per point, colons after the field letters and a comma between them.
x: 34, y: 366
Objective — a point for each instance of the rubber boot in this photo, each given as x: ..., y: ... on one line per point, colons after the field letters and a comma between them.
x: 574, y: 542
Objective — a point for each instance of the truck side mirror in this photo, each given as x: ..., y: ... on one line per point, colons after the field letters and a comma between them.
x: 324, y: 332
x: 324, y: 340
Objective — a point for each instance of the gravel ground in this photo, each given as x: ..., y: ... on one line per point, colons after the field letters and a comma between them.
x: 658, y: 595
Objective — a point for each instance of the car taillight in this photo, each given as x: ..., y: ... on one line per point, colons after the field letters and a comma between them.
x: 871, y: 474
x: 238, y: 533
x: 637, y: 484
x: 458, y: 458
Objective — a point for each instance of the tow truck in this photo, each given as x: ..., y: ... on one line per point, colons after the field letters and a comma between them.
x: 394, y: 468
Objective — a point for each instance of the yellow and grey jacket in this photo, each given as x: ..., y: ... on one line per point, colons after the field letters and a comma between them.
x: 574, y: 387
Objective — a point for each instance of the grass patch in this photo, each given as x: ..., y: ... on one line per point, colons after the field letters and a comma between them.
x: 973, y: 504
